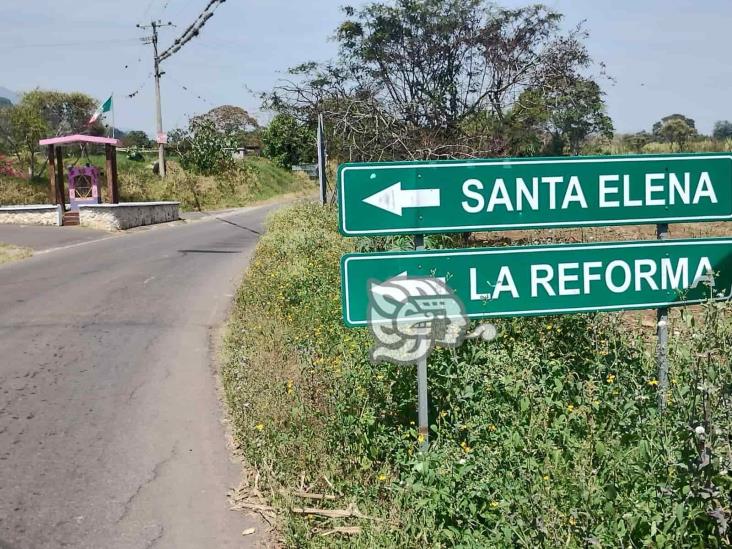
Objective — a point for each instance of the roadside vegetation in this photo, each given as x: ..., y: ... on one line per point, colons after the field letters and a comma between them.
x: 203, y: 171
x: 548, y: 436
x: 10, y: 253
x: 247, y: 181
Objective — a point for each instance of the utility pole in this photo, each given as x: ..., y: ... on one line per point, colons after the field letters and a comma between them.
x: 155, y: 25
x: 193, y: 30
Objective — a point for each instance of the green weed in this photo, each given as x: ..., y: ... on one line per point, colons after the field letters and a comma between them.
x: 548, y: 436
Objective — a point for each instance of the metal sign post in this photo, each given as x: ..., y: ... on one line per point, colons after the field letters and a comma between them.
x: 662, y: 233
x: 322, y: 161
x: 422, y: 402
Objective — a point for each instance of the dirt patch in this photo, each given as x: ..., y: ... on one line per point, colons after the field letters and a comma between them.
x: 10, y: 253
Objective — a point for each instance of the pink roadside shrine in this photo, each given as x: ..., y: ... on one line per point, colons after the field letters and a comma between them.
x: 83, y: 181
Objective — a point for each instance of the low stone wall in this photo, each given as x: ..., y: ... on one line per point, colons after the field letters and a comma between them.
x: 32, y: 214
x: 116, y: 217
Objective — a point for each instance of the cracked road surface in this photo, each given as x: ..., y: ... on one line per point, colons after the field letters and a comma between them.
x: 111, y: 431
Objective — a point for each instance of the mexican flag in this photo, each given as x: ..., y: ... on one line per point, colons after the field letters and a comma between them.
x: 104, y: 107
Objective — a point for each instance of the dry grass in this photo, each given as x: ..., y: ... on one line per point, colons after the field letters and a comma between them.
x: 10, y: 253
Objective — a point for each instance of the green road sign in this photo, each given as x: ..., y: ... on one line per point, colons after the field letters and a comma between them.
x: 546, y: 280
x: 525, y: 193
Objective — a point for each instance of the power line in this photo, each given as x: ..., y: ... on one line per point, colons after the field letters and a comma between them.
x: 193, y: 30
x: 139, y: 88
x: 192, y: 92
x: 68, y: 44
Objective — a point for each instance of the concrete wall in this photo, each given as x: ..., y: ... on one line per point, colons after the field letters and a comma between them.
x: 115, y: 217
x: 33, y: 214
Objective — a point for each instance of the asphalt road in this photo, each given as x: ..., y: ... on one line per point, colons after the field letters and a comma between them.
x: 111, y: 429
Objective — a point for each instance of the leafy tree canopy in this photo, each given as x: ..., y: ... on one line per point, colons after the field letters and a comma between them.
x: 287, y: 141
x: 658, y: 126
x: 637, y: 141
x: 565, y: 115
x: 234, y: 121
x: 436, y: 78
x: 203, y: 148
x: 722, y: 130
x: 136, y: 138
x: 230, y: 119
x: 41, y: 113
x: 675, y: 130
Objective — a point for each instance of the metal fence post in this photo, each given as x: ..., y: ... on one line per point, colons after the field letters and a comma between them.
x: 422, y: 413
x: 662, y: 233
x: 322, y: 161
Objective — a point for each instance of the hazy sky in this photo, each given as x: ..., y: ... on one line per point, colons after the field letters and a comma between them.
x: 666, y: 55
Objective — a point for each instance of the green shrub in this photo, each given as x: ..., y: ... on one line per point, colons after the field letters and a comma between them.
x: 548, y: 436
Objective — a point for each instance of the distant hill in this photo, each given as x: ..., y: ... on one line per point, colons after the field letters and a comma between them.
x: 8, y: 94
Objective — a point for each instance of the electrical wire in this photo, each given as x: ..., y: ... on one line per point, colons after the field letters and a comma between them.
x: 193, y: 29
x: 191, y: 91
x: 70, y: 44
x: 140, y: 87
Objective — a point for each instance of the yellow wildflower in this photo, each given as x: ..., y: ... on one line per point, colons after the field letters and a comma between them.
x: 652, y: 382
x: 610, y: 378
x: 420, y: 438
x: 546, y: 477
x: 494, y: 504
x: 443, y: 413
x: 570, y: 408
x: 259, y: 426
x: 465, y: 447
x: 491, y: 427
x: 572, y: 521
x: 382, y: 477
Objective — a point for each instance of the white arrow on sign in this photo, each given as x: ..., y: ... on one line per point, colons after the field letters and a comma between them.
x: 394, y: 199
x: 405, y: 287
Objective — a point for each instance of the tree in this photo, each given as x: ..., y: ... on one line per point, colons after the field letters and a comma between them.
x: 568, y: 114
x: 21, y: 127
x: 658, y: 126
x: 205, y: 150
x: 431, y: 78
x: 5, y: 102
x: 637, y: 141
x: 136, y: 138
x: 722, y: 130
x: 232, y: 120
x: 287, y: 141
x: 41, y: 114
x: 676, y: 131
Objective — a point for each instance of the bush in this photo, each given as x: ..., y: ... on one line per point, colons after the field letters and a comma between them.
x: 207, y: 151
x: 548, y: 436
x: 288, y: 142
